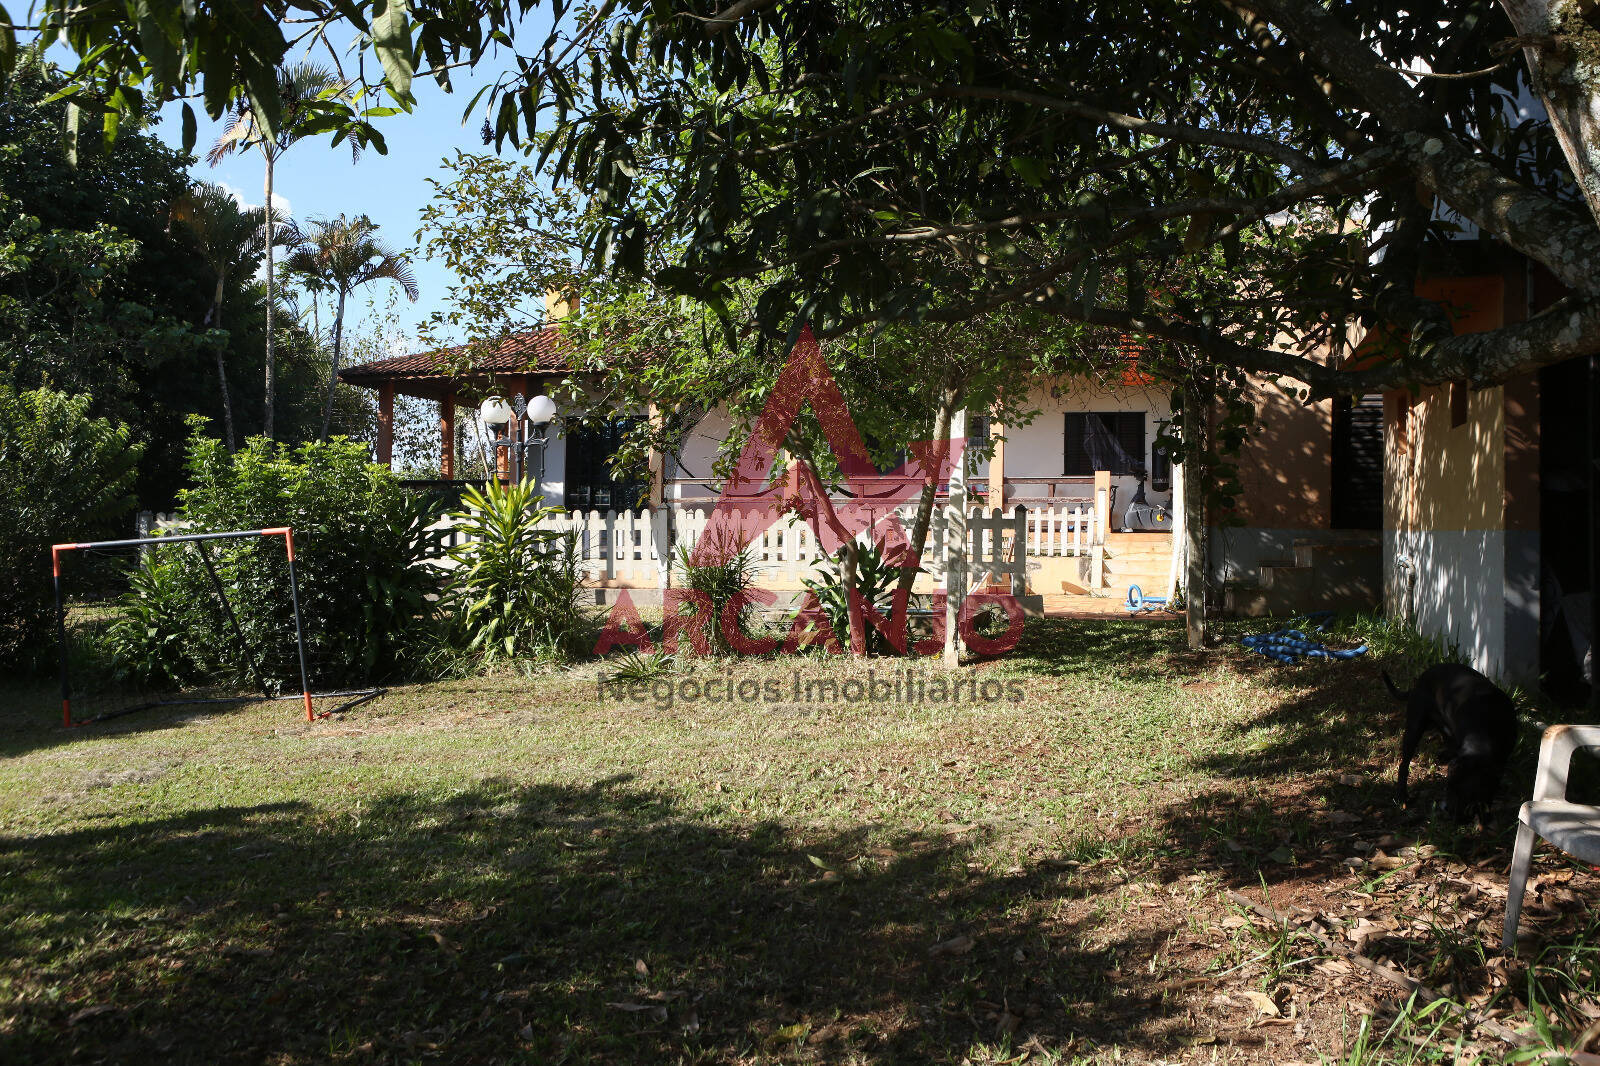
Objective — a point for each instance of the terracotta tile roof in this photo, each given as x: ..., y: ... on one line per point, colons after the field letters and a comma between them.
x: 540, y: 351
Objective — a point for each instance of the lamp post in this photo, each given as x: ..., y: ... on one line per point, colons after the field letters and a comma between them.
x: 496, y: 415
x: 539, y: 413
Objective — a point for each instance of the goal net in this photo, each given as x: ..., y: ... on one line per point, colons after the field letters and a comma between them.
x: 189, y: 619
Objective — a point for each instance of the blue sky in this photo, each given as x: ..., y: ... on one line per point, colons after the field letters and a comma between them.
x: 319, y: 181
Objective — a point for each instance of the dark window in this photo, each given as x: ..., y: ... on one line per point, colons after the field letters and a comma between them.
x: 591, y: 481
x: 1104, y: 440
x: 1357, y: 462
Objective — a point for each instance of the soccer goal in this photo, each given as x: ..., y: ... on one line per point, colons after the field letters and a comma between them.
x: 188, y: 619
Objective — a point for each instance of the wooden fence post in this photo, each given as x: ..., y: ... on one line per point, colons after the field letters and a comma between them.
x: 955, y: 539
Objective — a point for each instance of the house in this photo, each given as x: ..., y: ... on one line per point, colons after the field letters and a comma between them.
x: 1306, y: 533
x: 1486, y: 494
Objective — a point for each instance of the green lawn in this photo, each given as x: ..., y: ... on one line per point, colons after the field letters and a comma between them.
x: 511, y: 869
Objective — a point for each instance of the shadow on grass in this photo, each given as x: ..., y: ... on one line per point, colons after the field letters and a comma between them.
x: 540, y: 924
x: 1132, y: 650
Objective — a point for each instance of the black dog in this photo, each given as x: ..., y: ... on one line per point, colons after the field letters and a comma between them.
x: 1479, y: 725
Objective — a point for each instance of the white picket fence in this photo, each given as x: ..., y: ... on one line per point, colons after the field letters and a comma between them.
x: 628, y: 546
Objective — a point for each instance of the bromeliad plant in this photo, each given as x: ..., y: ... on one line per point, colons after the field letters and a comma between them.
x: 723, y: 569
x: 515, y: 591
x: 874, y: 582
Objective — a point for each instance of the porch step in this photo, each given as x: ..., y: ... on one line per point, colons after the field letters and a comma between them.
x: 1139, y: 558
x: 1127, y: 540
x: 1143, y: 559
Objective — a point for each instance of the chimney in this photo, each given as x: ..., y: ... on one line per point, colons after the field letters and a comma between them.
x: 559, y: 304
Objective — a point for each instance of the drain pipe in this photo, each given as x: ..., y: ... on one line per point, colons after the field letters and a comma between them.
x: 1407, y: 568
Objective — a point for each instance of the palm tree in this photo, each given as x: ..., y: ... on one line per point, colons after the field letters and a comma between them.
x: 338, y: 256
x: 231, y: 238
x: 301, y: 88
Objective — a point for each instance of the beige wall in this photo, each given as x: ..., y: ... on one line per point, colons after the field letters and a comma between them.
x: 1444, y: 476
x: 1442, y: 470
x: 1286, y: 466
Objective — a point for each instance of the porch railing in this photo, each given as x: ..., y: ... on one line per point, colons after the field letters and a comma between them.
x: 629, y: 546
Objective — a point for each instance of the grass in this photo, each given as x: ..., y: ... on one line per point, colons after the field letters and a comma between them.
x: 514, y: 869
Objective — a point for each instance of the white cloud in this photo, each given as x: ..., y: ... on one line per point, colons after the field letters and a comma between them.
x: 280, y: 202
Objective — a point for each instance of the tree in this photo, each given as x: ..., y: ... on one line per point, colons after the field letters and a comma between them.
x: 98, y: 296
x: 510, y: 239
x: 271, y: 130
x: 64, y: 475
x: 339, y: 256
x: 815, y: 145
x: 231, y: 241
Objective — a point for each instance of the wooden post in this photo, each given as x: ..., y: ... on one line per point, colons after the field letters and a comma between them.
x: 1102, y: 526
x: 662, y: 534
x: 658, y: 463
x: 502, y: 464
x: 447, y: 436
x: 997, y: 465
x: 955, y: 549
x: 1194, y: 519
x: 386, y: 424
x: 1019, y: 550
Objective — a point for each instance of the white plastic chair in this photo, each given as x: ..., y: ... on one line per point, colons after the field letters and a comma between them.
x: 1572, y: 827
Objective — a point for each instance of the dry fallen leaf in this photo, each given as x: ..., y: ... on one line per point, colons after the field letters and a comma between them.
x: 789, y: 1033
x: 956, y: 945
x: 640, y: 968
x: 90, y: 1012
x: 1262, y: 1002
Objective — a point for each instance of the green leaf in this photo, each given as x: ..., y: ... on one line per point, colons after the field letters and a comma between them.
x: 391, y: 39
x: 1031, y: 170
x: 69, y: 131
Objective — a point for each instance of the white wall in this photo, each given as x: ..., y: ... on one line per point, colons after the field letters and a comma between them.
x: 1450, y: 583
x: 553, y: 483
x: 699, y: 454
x: 1033, y: 450
x: 1038, y: 449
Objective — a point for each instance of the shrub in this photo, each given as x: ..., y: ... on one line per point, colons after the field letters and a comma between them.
x: 875, y: 583
x: 515, y: 593
x: 63, y: 476
x: 364, y: 557
x: 722, y: 569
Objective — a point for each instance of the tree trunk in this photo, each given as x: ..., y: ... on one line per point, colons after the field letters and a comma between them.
x: 1594, y: 536
x: 222, y: 369
x: 272, y: 360
x: 1194, y: 518
x: 1563, y: 53
x: 856, y: 619
x: 950, y: 397
x: 333, y: 373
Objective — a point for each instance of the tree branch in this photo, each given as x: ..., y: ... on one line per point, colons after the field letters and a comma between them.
x: 1565, y: 240
x: 1244, y: 142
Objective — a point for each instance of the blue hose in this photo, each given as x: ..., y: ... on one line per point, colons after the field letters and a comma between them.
x: 1288, y: 645
x: 1138, y: 601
